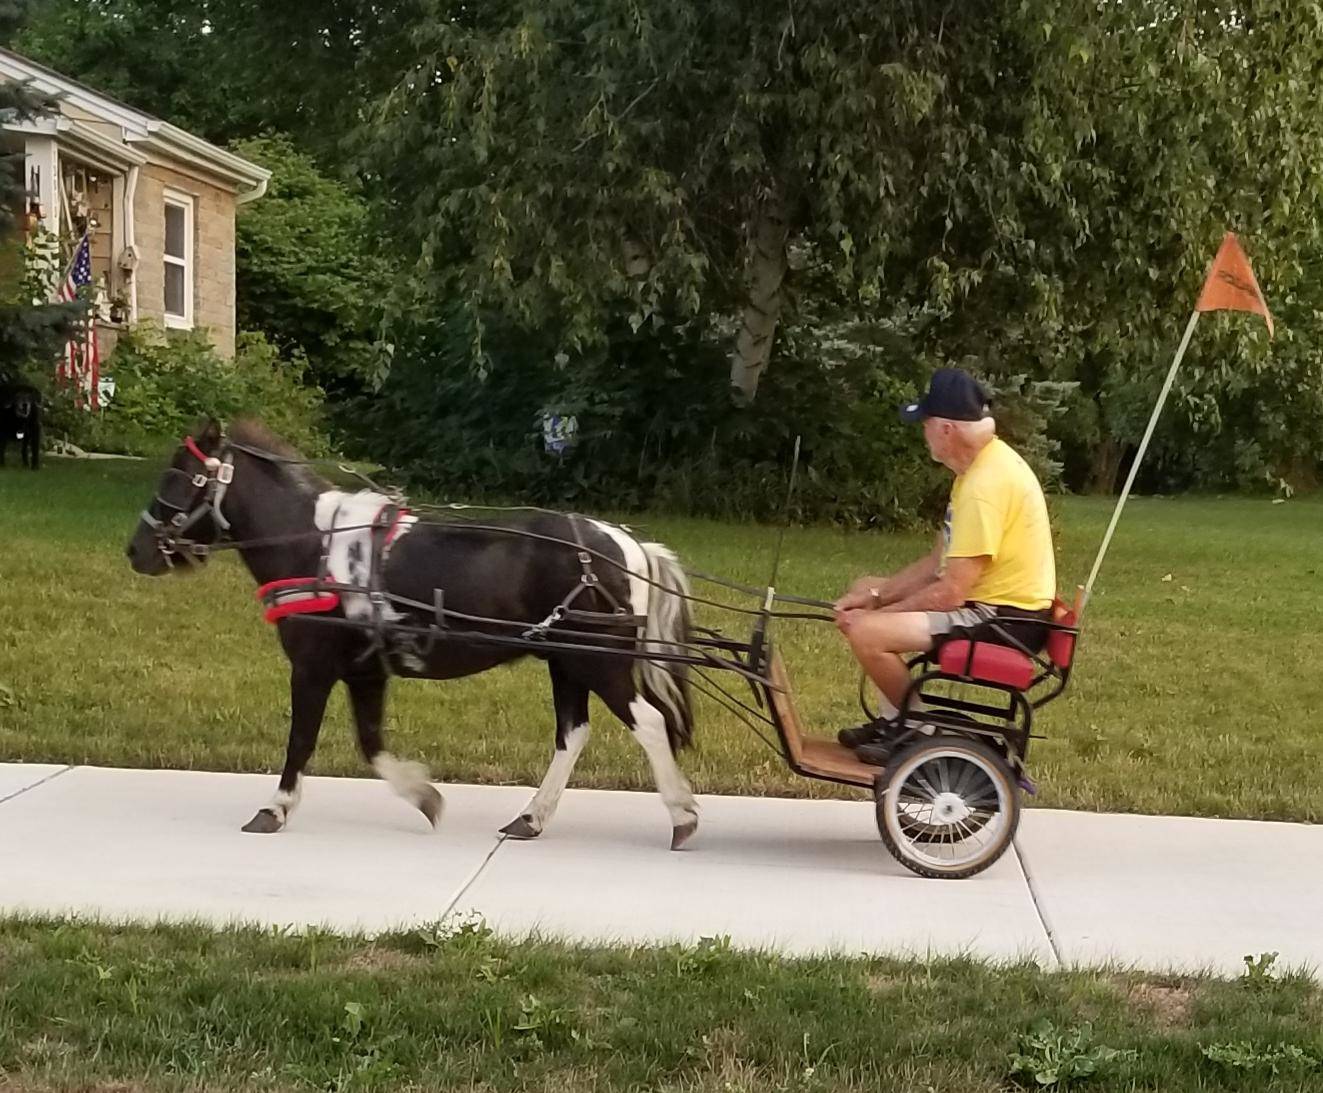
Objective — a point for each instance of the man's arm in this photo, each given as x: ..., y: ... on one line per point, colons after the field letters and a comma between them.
x: 894, y: 588
x: 947, y: 592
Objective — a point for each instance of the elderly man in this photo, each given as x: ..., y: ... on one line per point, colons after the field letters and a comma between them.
x: 992, y: 562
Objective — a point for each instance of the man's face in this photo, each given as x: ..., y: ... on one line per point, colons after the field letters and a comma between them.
x: 937, y: 433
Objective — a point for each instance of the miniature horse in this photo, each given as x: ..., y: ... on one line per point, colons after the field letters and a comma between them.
x: 20, y: 419
x: 252, y: 489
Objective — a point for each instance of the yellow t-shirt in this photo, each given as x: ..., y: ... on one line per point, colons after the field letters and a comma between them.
x: 997, y: 508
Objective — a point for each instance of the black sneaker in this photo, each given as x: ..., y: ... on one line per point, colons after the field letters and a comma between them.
x: 859, y: 735
x: 880, y: 749
x: 868, y: 733
x: 877, y: 752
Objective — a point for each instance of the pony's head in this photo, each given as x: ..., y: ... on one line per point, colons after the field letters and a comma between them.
x: 184, y: 517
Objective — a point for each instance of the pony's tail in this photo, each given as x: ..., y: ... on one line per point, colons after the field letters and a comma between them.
x: 665, y: 683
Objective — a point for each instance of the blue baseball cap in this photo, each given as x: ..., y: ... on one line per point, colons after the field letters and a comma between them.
x: 952, y: 394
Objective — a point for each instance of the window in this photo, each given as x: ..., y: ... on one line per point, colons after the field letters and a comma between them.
x: 178, y: 260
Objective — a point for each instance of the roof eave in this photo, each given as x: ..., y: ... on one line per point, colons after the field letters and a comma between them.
x: 248, y: 178
x: 154, y: 135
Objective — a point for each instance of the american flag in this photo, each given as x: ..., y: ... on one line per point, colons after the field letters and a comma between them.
x: 81, y: 364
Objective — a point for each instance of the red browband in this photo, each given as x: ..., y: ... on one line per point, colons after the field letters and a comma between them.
x: 195, y: 450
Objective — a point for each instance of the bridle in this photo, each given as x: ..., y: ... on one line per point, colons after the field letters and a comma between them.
x: 209, y: 487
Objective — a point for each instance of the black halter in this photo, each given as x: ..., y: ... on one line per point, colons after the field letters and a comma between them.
x: 209, y: 486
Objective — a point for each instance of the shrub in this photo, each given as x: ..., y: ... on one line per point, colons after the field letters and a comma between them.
x: 164, y: 385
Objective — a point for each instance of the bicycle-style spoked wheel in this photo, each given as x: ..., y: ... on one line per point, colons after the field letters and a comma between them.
x: 947, y: 807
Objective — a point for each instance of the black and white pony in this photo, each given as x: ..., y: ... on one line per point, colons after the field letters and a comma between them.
x: 250, y: 488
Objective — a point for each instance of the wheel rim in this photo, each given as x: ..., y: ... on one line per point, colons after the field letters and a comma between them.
x: 948, y: 808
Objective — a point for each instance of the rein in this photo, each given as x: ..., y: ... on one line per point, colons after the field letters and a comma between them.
x: 218, y: 473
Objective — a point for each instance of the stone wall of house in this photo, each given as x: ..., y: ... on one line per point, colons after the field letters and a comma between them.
x: 107, y: 337
x: 213, y: 250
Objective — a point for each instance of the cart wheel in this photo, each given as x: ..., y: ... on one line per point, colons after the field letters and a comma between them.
x: 947, y: 807
x: 920, y: 832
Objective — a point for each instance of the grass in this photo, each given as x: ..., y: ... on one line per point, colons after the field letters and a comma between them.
x: 92, y: 1008
x: 1196, y: 692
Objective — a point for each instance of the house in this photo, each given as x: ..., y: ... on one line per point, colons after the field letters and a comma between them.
x: 158, y: 203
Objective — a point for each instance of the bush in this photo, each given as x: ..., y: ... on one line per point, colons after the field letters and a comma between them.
x: 164, y: 385
x: 656, y: 425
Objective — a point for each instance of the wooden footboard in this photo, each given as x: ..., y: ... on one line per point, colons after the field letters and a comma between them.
x: 813, y: 757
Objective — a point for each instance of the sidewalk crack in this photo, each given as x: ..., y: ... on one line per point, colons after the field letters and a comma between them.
x: 1038, y: 905
x: 24, y: 789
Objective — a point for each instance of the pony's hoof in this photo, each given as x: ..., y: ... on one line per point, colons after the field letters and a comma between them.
x: 681, y: 833
x: 520, y: 828
x: 431, y: 804
x: 265, y: 822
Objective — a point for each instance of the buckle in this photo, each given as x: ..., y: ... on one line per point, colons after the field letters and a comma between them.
x: 225, y: 474
x: 199, y: 480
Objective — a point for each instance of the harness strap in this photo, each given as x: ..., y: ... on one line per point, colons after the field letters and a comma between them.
x: 295, y: 596
x: 224, y: 476
x: 385, y: 528
x: 219, y: 474
x: 588, y: 582
x: 382, y: 525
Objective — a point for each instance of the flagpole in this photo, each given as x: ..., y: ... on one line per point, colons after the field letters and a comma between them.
x: 1139, y: 456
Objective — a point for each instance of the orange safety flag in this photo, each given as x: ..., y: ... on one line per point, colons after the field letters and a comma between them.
x: 1231, y: 285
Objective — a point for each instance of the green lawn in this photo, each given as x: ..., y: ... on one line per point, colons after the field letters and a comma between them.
x: 1195, y: 694
x: 178, y: 1008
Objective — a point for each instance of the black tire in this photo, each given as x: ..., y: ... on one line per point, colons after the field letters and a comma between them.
x: 947, y: 773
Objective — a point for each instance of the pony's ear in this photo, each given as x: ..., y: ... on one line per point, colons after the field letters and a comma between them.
x: 208, y: 435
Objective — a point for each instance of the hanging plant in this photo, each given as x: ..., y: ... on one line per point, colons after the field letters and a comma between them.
x: 42, y: 264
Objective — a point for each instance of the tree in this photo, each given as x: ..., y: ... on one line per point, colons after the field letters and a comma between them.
x: 1197, y: 118
x: 1028, y: 186
x: 556, y: 160
x: 227, y: 69
x: 307, y: 272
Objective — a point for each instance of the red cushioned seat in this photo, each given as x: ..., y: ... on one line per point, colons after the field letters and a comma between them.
x: 1061, y: 643
x: 991, y: 663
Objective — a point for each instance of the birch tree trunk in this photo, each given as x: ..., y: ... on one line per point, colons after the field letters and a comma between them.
x: 762, y: 310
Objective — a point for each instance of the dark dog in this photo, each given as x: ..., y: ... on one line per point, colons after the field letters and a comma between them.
x: 20, y: 419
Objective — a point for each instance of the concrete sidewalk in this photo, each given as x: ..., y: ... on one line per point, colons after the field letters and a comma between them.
x: 798, y: 876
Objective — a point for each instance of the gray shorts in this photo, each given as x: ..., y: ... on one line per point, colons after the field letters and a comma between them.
x: 942, y: 623
x: 970, y: 621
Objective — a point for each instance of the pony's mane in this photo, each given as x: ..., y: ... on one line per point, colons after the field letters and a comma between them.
x: 255, y: 434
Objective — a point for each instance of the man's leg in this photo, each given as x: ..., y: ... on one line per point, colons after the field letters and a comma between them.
x: 877, y: 639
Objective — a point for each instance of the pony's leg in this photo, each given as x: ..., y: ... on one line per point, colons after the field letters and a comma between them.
x: 648, y: 725
x: 309, y: 688
x: 367, y: 699
x: 571, y: 701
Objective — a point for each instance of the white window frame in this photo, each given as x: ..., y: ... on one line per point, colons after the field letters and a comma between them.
x: 187, y: 203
